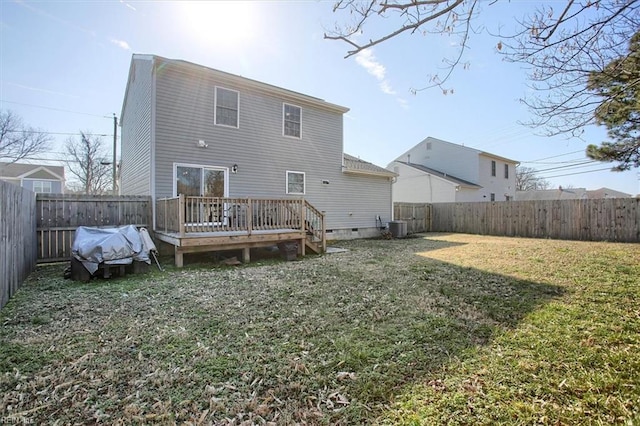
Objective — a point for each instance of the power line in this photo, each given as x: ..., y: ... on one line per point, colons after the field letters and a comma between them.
x: 570, y: 166
x: 56, y: 109
x: 547, y: 163
x: 60, y: 160
x: 57, y: 133
x: 578, y: 173
x: 554, y: 156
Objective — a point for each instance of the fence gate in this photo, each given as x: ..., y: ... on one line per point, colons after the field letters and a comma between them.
x: 58, y: 216
x: 417, y: 216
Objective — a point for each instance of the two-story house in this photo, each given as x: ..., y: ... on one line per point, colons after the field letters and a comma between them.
x: 35, y: 177
x: 192, y: 130
x: 436, y: 171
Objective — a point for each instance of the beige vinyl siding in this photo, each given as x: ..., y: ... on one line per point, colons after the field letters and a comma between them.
x: 358, y: 200
x: 136, y: 135
x: 185, y: 115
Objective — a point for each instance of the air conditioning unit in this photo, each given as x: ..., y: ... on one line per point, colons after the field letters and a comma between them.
x: 398, y: 228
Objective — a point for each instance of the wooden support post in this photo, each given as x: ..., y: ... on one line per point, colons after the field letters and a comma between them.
x: 249, y: 216
x: 179, y: 257
x: 166, y: 215
x: 302, y: 247
x: 324, y: 232
x: 246, y: 255
x: 181, y: 217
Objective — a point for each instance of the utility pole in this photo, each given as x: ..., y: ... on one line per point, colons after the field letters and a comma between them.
x: 115, y: 138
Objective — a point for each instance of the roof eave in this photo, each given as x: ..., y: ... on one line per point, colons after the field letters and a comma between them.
x: 369, y: 173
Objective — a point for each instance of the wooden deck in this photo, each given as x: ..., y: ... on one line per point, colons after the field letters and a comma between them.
x: 202, y: 224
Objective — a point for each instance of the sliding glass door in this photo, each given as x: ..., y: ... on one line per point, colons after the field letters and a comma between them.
x: 202, y: 181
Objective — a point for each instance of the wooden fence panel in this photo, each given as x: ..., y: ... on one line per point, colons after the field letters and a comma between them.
x: 606, y: 219
x: 58, y: 216
x: 18, y: 245
x: 417, y: 216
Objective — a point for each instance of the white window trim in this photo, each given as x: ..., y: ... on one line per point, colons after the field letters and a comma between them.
x: 201, y: 166
x: 284, y: 104
x: 49, y: 181
x: 215, y: 107
x: 304, y: 182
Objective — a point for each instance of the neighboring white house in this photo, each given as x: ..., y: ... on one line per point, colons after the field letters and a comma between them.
x: 193, y: 130
x: 436, y: 171
x: 35, y: 177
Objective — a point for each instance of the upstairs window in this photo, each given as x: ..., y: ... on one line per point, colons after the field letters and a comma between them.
x: 493, y: 168
x: 291, y: 121
x: 226, y: 107
x: 42, y: 186
x: 506, y: 171
x: 493, y: 196
x: 295, y: 183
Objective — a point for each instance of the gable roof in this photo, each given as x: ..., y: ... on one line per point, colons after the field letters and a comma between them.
x: 477, y: 151
x: 31, y: 171
x: 357, y: 166
x: 235, y: 79
x: 497, y: 157
x: 445, y: 176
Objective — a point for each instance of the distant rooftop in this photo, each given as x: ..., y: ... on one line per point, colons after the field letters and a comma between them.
x: 442, y: 175
x: 356, y: 165
x: 20, y: 170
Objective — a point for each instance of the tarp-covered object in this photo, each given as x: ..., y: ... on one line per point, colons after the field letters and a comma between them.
x: 111, y: 246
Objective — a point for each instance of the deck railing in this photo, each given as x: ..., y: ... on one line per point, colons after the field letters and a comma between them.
x: 315, y: 226
x: 186, y: 214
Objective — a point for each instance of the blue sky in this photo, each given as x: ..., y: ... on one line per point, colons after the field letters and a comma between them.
x: 64, y: 65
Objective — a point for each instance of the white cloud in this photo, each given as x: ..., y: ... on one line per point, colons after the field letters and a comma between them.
x: 128, y: 5
x: 368, y: 61
x: 121, y: 44
x: 386, y: 88
x: 404, y: 104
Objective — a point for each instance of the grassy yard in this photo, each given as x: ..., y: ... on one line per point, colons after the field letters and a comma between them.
x: 441, y: 329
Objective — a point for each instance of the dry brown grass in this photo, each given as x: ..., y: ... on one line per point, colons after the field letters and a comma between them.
x: 357, y: 337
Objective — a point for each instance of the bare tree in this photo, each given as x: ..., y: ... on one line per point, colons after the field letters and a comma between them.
x: 558, y: 47
x: 452, y: 17
x: 528, y: 180
x: 561, y: 49
x: 87, y: 162
x: 18, y: 141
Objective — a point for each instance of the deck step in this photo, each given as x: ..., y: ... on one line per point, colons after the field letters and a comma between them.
x: 315, y: 247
